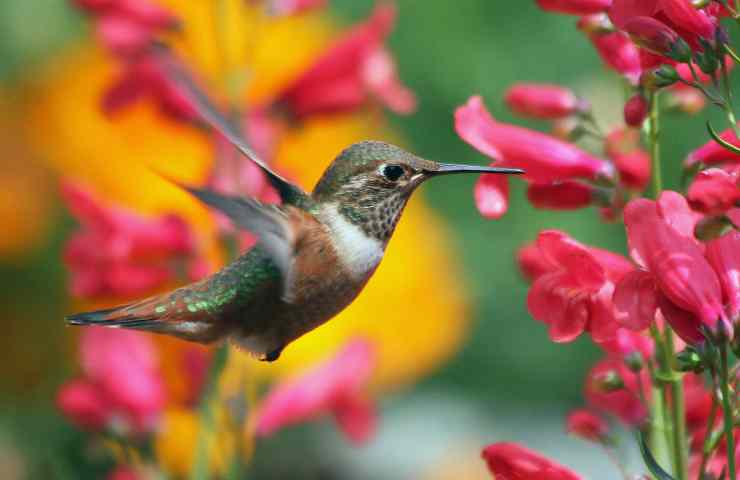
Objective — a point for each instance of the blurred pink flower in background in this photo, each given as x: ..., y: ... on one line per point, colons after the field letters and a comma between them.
x: 712, y: 153
x: 492, y: 195
x: 635, y: 110
x: 575, y: 7
x: 119, y: 253
x: 347, y: 74
x: 613, y: 388
x: 585, y: 424
x: 511, y: 461
x: 543, y: 101
x: 294, y: 7
x: 121, y: 387
x: 335, y: 386
x: 567, y: 195
x: 715, y: 190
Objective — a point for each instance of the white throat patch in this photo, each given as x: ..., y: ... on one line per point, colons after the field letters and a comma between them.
x: 359, y: 253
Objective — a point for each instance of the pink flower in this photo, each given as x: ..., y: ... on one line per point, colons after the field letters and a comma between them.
x: 712, y: 153
x: 685, y: 99
x: 634, y: 169
x: 123, y: 36
x: 652, y: 35
x: 714, y: 191
x: 532, y: 262
x: 543, y: 101
x: 568, y: 195
x: 617, y: 51
x: 121, y: 254
x: 679, y: 15
x: 294, y: 7
x: 144, y: 78
x: 545, y: 158
x: 575, y: 7
x: 492, y: 195
x: 575, y: 295
x: 121, y: 387
x: 622, y: 401
x: 635, y: 110
x: 585, y: 424
x: 356, y: 67
x: 511, y: 461
x: 674, y: 277
x: 723, y: 254
x: 335, y: 387
x: 627, y: 343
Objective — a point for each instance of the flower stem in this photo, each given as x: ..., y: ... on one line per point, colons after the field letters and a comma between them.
x: 678, y: 410
x: 205, y: 415
x: 727, y: 408
x: 654, y: 142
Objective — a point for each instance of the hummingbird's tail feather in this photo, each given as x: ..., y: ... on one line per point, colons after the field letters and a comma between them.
x: 164, y: 314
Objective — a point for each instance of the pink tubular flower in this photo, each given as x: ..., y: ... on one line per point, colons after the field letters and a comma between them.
x: 335, y: 386
x: 121, y: 254
x: 635, y: 110
x: 545, y: 158
x: 575, y: 7
x: 511, y: 461
x: 121, y: 388
x: 714, y: 191
x: 674, y: 275
x: 712, y: 153
x: 622, y: 401
x: 543, y: 101
x: 678, y: 15
x: 652, y: 35
x: 568, y: 195
x: 294, y: 7
x: 575, y: 295
x: 617, y: 51
x: 492, y: 195
x: 354, y: 68
x: 634, y: 169
x: 723, y: 254
x: 586, y: 425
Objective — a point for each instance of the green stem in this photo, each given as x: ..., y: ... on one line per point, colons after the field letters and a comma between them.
x: 678, y: 410
x: 707, y: 447
x: 205, y: 415
x: 727, y: 409
x: 654, y: 141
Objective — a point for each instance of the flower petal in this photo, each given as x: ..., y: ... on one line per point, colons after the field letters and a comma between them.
x: 492, y: 195
x: 573, y: 257
x: 635, y: 300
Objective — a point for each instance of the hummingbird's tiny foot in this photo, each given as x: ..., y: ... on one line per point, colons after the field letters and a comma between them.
x: 272, y: 356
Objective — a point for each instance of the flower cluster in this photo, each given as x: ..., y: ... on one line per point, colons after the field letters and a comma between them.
x: 684, y: 273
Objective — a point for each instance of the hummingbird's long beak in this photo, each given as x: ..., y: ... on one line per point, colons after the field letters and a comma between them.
x: 448, y: 168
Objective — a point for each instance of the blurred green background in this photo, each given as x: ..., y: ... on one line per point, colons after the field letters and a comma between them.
x: 509, y: 381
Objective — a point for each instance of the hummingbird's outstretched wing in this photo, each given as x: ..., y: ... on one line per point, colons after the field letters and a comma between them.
x: 173, y: 68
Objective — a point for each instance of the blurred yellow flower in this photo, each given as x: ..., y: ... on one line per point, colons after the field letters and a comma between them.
x: 413, y: 307
x: 176, y: 443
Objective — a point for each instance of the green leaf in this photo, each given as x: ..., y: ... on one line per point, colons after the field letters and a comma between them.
x: 652, y: 465
x: 713, y: 133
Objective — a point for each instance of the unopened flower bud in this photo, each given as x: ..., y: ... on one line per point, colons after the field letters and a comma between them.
x: 657, y: 37
x: 689, y: 361
x: 588, y: 426
x: 634, y: 361
x: 707, y: 61
x: 664, y: 76
x: 608, y: 381
x: 543, y: 101
x: 635, y: 110
x: 575, y: 7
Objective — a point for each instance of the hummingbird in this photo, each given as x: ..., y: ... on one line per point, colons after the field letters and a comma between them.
x: 315, y: 252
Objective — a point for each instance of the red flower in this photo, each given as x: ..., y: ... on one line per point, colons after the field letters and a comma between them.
x: 714, y: 191
x: 575, y: 7
x: 712, y: 153
x: 652, y: 35
x: 509, y: 461
x: 333, y: 387
x: 545, y: 158
x: 543, y: 101
x: 622, y: 401
x: 635, y: 110
x: 356, y: 67
x: 293, y: 7
x: 675, y: 275
x: 532, y: 262
x: 121, y: 388
x: 627, y: 343
x: 575, y: 295
x: 568, y: 195
x: 121, y: 254
x: 492, y: 195
x: 587, y: 425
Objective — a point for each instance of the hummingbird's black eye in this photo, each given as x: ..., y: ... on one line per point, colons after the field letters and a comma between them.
x: 392, y: 172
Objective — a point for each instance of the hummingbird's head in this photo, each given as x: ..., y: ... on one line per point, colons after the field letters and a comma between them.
x: 371, y: 181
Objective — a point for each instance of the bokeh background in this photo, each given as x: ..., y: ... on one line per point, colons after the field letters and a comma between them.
x: 500, y: 377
